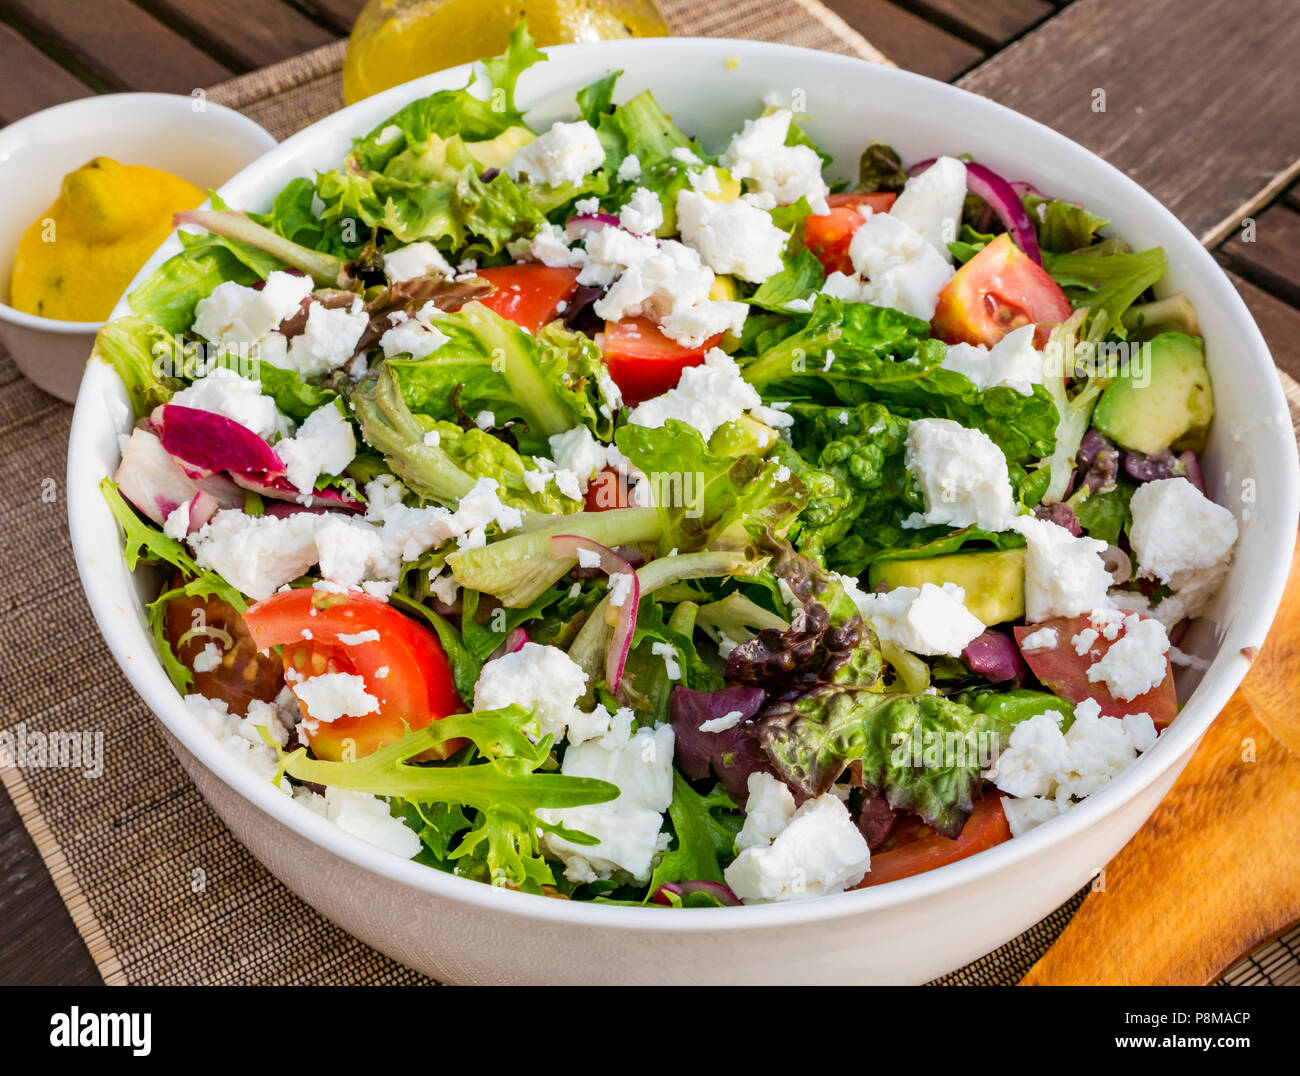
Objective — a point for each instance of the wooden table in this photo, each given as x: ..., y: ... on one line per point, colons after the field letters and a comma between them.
x: 1200, y: 98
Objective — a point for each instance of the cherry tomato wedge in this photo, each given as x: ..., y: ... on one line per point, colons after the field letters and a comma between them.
x: 529, y: 295
x: 998, y: 290
x: 828, y: 235
x: 986, y: 827
x: 192, y: 624
x: 643, y: 361
x: 404, y: 668
x: 1064, y: 671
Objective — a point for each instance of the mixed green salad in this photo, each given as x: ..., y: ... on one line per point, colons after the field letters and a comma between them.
x: 602, y: 514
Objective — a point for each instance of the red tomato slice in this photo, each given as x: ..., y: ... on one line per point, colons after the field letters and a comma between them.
x: 828, y: 234
x: 643, y: 361
x: 998, y: 290
x: 405, y: 668
x: 986, y: 827
x: 1065, y: 672
x: 607, y: 491
x: 529, y: 295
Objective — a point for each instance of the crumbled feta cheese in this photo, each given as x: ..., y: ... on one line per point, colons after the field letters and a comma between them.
x: 899, y: 267
x: 331, y: 696
x: 820, y: 851
x: 627, y: 828
x: 564, y: 154
x: 732, y: 237
x: 725, y: 723
x: 368, y: 817
x: 1178, y: 532
x: 416, y: 336
x: 547, y: 681
x: 357, y: 638
x: 432, y: 439
x: 1042, y: 639
x: 758, y: 153
x: 1044, y: 770
x: 578, y: 452
x: 686, y: 156
x: 706, y: 397
x: 1136, y: 662
x: 550, y: 246
x: 672, y: 667
x: 1013, y: 361
x: 225, y: 392
x: 1064, y: 575
x: 620, y: 588
x: 1082, y: 642
x: 962, y: 474
x: 931, y: 203
x: 329, y: 338
x: 768, y: 810
x: 236, y: 314
x: 207, y: 659
x: 324, y: 444
x: 241, y: 737
x: 663, y: 280
x: 705, y: 181
x: 643, y: 213
x: 415, y: 260
x: 256, y: 554
x: 927, y: 620
x: 588, y: 558
x: 177, y: 523
x: 629, y: 168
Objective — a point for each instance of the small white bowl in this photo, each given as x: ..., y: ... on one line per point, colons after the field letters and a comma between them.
x: 191, y: 137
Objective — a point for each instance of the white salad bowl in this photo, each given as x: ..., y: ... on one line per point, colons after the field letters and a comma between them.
x: 905, y: 932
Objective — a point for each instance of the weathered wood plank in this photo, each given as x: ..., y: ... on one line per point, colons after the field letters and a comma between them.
x: 119, y: 43
x: 1278, y: 321
x: 340, y: 14
x: 908, y: 39
x: 1199, y: 98
x: 243, y: 34
x: 989, y: 25
x: 30, y: 80
x: 39, y: 945
x: 1268, y: 253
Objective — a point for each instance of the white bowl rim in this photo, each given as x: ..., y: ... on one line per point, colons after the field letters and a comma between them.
x: 99, y: 103
x: 1176, y: 742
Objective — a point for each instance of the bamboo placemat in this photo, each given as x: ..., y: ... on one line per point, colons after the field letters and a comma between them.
x: 159, y: 889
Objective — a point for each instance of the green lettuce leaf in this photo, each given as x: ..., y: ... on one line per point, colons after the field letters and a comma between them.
x: 707, y: 499
x: 543, y: 385
x: 704, y: 836
x: 1107, y: 283
x: 504, y: 789
x: 139, y: 351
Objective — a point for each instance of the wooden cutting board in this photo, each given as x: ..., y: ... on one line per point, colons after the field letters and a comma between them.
x: 1215, y: 872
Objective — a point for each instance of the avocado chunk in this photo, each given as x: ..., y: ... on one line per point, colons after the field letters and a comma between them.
x: 498, y: 152
x: 994, y: 580
x: 1161, y: 400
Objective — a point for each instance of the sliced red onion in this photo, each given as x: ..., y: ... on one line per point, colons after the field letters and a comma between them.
x: 721, y: 893
x: 204, y: 442
x: 585, y: 224
x: 150, y: 478
x: 566, y: 546
x: 514, y: 641
x: 1002, y: 198
x: 1192, y: 470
